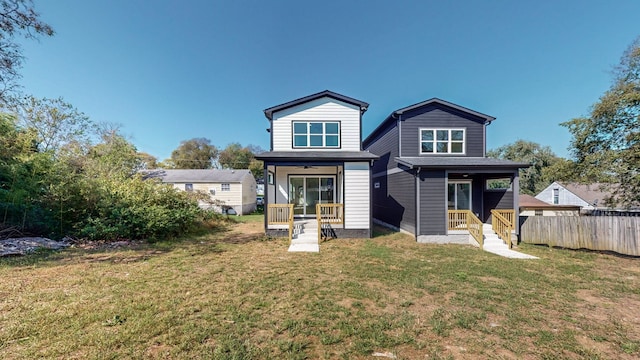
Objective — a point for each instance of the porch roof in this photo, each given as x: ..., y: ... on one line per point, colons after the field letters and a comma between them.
x: 447, y: 162
x: 310, y: 156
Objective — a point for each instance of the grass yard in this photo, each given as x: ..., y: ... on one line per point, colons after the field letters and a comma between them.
x: 237, y: 295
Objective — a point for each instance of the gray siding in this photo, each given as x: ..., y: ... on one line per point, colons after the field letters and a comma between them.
x: 438, y: 116
x: 394, y: 201
x: 386, y: 146
x: 433, y: 202
x: 496, y: 200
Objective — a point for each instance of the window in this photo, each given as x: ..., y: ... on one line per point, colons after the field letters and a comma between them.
x: 556, y: 196
x: 499, y: 184
x: 539, y: 212
x: 225, y: 187
x: 316, y: 134
x: 188, y: 187
x: 442, y: 141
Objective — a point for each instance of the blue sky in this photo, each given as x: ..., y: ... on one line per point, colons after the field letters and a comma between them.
x: 172, y: 70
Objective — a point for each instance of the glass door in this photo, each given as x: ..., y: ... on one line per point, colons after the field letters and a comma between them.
x: 459, y: 195
x: 307, y: 191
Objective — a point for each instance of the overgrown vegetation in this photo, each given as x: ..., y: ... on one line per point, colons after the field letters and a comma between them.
x: 236, y: 295
x: 56, y: 181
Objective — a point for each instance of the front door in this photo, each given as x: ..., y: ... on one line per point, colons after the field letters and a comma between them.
x: 459, y: 195
x: 307, y: 191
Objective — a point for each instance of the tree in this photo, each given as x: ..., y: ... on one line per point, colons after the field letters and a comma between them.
x: 234, y: 156
x: 17, y: 17
x: 606, y: 144
x: 55, y: 122
x: 196, y: 153
x: 147, y: 161
x: 532, y: 179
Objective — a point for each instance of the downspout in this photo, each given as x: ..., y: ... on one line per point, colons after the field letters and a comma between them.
x: 417, y: 203
x: 399, y: 120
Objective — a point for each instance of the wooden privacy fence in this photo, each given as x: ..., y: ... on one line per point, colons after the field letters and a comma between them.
x: 608, y: 233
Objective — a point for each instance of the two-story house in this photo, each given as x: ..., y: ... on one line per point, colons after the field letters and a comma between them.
x: 316, y: 169
x: 433, y: 172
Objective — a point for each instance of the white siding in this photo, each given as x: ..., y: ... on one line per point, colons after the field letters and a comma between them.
x: 324, y: 109
x: 236, y: 197
x: 565, y: 197
x: 356, y: 195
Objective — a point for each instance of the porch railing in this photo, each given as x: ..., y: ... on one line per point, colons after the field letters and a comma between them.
x: 502, y: 226
x: 327, y: 214
x: 466, y: 220
x: 281, y: 214
x: 508, y: 214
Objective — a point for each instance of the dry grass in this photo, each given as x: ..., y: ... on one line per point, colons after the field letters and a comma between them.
x: 237, y: 295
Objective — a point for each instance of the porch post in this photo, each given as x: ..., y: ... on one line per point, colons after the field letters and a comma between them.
x: 265, y: 201
x: 516, y: 202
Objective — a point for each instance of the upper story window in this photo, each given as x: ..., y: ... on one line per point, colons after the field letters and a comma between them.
x: 316, y: 134
x: 556, y: 196
x: 225, y: 187
x: 188, y: 187
x: 442, y: 141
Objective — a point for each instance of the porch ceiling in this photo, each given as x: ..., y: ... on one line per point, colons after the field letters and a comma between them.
x: 448, y: 162
x: 310, y: 156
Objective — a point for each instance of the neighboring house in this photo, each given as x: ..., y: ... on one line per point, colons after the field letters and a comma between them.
x: 316, y: 158
x: 591, y: 198
x: 228, y: 189
x: 433, y: 167
x: 530, y: 206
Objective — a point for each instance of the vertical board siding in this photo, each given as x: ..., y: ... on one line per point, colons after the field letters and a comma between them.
x: 433, y: 203
x: 604, y: 233
x: 325, y: 109
x: 356, y: 195
x: 438, y: 116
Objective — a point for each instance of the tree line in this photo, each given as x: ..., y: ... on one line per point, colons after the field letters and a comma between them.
x: 605, y: 145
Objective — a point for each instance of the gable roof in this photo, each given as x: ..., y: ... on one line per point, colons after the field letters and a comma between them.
x: 198, y: 175
x: 529, y: 202
x: 394, y: 115
x: 363, y: 105
x: 590, y: 193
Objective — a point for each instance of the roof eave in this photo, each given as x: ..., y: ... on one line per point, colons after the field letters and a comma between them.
x: 268, y: 113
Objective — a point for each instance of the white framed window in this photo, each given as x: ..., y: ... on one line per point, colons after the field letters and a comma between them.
x: 308, y: 134
x: 442, y: 141
x: 225, y: 187
x: 556, y: 196
x: 188, y: 187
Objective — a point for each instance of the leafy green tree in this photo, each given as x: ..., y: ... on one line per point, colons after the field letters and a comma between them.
x: 532, y: 179
x: 17, y: 18
x: 55, y: 121
x: 196, y: 153
x: 606, y: 144
x: 147, y: 161
x: 234, y: 156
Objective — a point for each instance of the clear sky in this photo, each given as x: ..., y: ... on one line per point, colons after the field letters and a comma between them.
x: 172, y: 70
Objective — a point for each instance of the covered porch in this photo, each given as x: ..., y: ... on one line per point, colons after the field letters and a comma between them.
x: 329, y: 188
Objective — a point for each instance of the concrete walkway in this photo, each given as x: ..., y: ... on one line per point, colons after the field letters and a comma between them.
x: 494, y: 245
x: 305, y: 237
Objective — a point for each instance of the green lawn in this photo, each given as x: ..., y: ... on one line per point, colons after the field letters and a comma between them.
x: 238, y: 295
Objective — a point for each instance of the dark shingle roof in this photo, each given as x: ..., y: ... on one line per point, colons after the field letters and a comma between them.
x: 458, y: 162
x: 393, y: 115
x: 594, y: 194
x: 363, y: 105
x: 198, y: 175
x: 317, y: 155
x: 529, y: 202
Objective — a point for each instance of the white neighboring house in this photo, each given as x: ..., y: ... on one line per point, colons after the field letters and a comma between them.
x: 530, y: 206
x: 233, y: 189
x: 588, y: 197
x: 316, y: 157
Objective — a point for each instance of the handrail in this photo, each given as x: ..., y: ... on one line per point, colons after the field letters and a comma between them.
x: 466, y: 220
x: 501, y: 226
x: 281, y: 214
x: 328, y: 214
x: 474, y: 225
x: 508, y: 214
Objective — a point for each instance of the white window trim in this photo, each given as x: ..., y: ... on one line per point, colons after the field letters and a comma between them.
x: 324, y: 135
x: 449, y: 141
x: 222, y: 187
